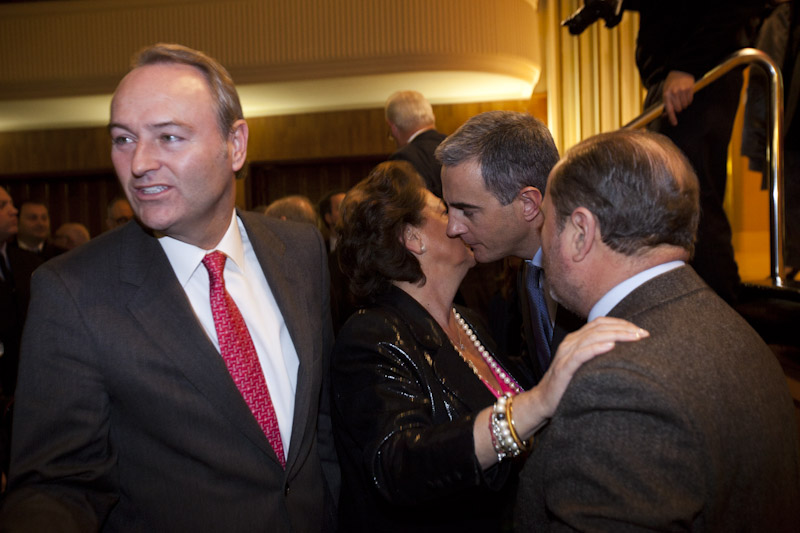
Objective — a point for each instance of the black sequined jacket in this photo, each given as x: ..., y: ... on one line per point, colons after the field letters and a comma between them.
x: 404, y: 405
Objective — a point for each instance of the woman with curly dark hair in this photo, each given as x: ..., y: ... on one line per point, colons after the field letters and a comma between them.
x: 422, y: 404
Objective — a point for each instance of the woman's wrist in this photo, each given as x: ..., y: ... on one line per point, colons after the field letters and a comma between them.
x: 505, y: 429
x: 529, y: 413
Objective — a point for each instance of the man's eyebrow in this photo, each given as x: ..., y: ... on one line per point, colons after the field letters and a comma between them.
x: 167, y: 124
x: 156, y: 126
x: 461, y: 205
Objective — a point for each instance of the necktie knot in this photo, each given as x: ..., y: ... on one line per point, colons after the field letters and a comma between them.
x: 534, y: 276
x: 215, y: 264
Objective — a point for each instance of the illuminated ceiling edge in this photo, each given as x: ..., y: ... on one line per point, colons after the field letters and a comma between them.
x: 281, y: 98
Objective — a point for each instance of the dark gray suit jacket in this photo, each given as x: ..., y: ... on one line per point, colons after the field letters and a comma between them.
x: 691, y: 429
x: 127, y: 418
x: 419, y: 153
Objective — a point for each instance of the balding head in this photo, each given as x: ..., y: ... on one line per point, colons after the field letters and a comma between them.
x: 408, y: 112
x: 639, y: 185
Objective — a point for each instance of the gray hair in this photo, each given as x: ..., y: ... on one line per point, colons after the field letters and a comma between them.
x: 638, y: 184
x: 514, y: 150
x: 409, y: 111
x: 295, y: 207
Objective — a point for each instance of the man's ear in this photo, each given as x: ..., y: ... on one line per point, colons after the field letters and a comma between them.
x: 583, y: 226
x: 412, y: 240
x: 531, y: 199
x: 395, y: 131
x: 238, y: 139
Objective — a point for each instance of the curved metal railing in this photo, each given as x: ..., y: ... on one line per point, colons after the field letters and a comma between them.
x: 774, y: 144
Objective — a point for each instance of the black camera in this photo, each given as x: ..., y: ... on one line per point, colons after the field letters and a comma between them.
x: 608, y: 10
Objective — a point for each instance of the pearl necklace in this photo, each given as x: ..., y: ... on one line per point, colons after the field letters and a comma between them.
x: 501, y: 375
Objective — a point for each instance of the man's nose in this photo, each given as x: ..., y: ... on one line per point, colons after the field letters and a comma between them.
x: 455, y: 227
x: 143, y: 159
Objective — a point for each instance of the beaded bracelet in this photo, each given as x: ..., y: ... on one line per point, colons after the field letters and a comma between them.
x: 504, y: 442
x: 496, y: 430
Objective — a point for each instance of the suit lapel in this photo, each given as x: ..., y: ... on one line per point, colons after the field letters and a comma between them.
x: 527, y: 322
x: 163, y: 310
x: 294, y: 306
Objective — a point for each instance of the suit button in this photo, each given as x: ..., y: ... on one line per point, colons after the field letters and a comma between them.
x: 286, y: 490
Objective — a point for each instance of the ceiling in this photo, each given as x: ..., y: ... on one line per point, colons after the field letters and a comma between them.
x: 60, y: 61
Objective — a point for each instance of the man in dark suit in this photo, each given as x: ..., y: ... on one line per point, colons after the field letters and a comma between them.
x: 16, y: 267
x: 34, y: 230
x: 692, y: 428
x: 677, y: 43
x: 173, y: 370
x: 412, y: 125
x: 494, y: 171
x: 118, y: 212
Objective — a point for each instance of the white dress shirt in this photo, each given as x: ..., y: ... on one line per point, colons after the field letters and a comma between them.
x: 35, y: 249
x: 245, y: 282
x: 4, y: 259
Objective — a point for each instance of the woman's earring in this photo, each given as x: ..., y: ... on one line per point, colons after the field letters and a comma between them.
x: 422, y: 248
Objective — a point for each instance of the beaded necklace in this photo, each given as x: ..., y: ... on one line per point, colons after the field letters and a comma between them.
x: 507, y: 383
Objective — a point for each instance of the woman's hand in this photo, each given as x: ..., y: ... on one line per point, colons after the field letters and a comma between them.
x: 533, y: 408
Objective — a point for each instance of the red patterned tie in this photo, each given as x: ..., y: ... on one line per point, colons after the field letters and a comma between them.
x: 239, y: 354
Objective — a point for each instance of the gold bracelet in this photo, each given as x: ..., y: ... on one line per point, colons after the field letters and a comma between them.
x: 525, y: 446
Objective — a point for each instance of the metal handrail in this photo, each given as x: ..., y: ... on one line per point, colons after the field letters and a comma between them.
x: 774, y: 146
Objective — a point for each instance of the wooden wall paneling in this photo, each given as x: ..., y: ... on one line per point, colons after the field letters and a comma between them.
x: 60, y: 194
x: 312, y: 178
x: 55, y: 151
x: 306, y: 136
x: 450, y: 116
x: 318, y: 135
x: 361, y: 132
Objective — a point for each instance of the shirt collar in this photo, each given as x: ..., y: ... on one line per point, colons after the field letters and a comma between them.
x: 417, y: 133
x: 35, y: 249
x: 537, y: 258
x: 185, y: 257
x: 605, y: 304
x: 537, y: 262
